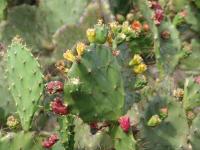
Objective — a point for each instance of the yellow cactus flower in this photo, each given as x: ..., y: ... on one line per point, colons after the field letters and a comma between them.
x: 137, y: 59
x: 80, y: 47
x: 68, y: 55
x: 12, y: 122
x: 91, y: 35
x: 140, y: 68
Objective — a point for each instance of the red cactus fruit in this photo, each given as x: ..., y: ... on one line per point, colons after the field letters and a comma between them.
x: 49, y: 142
x: 58, y: 107
x: 124, y: 122
x: 158, y: 12
x: 54, y: 87
x: 158, y: 16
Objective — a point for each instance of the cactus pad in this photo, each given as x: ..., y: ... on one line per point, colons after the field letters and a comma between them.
x: 195, y: 133
x: 174, y: 126
x: 95, y: 88
x: 25, y: 81
x: 20, y: 141
x: 191, y: 97
x: 84, y: 140
x: 122, y: 140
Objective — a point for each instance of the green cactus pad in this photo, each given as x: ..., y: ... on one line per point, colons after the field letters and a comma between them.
x: 58, y: 13
x: 195, y: 133
x: 7, y: 104
x: 25, y: 81
x: 95, y: 88
x: 128, y: 75
x: 191, y: 97
x: 122, y: 140
x: 193, y: 17
x: 20, y: 141
x: 163, y: 135
x: 190, y: 64
x: 67, y: 35
x: 84, y: 140
x: 67, y: 131
x: 24, y: 21
x: 3, y: 4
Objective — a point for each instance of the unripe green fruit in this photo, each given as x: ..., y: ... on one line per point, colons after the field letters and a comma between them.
x: 101, y: 34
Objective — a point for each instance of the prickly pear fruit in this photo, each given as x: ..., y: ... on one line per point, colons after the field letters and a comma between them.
x: 54, y: 87
x: 58, y: 107
x: 49, y: 142
x: 154, y: 121
x: 124, y: 123
x: 101, y: 33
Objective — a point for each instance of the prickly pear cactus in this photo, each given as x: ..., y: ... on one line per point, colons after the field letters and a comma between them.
x: 24, y: 21
x: 190, y: 64
x: 20, y: 140
x: 191, y: 94
x: 95, y: 80
x: 76, y: 32
x: 122, y: 140
x: 7, y: 104
x: 194, y: 133
x: 167, y: 49
x: 58, y: 11
x: 25, y: 81
x: 98, y: 141
x: 161, y: 135
x: 67, y: 131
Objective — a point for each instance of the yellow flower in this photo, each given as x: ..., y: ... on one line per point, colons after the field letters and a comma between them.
x: 80, y: 47
x: 137, y: 59
x: 91, y: 35
x: 140, y: 68
x: 69, y: 56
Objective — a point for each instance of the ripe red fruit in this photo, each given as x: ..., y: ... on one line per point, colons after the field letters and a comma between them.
x: 54, y: 87
x: 49, y: 142
x: 158, y: 12
x: 158, y: 16
x: 58, y: 107
x: 124, y: 122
